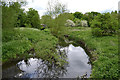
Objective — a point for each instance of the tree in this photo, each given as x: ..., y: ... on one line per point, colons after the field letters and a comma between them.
x: 89, y: 16
x: 78, y: 15
x: 55, y: 8
x: 33, y: 18
x: 59, y: 15
x: 21, y: 19
x: 58, y: 28
x: 10, y: 14
x: 46, y: 19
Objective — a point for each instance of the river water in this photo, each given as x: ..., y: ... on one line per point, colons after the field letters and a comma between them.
x: 77, y: 66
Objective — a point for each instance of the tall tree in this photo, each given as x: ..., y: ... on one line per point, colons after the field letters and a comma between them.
x: 55, y: 8
x: 33, y: 18
x: 10, y: 13
x: 22, y: 18
x: 78, y: 15
x: 46, y: 19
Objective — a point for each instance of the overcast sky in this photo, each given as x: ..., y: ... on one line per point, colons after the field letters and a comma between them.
x: 76, y: 5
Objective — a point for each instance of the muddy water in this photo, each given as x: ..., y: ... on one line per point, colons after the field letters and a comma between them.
x: 36, y: 68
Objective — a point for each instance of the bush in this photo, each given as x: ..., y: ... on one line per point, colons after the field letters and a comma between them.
x: 77, y: 22
x: 69, y: 23
x: 97, y: 31
x: 105, y: 24
x: 81, y: 22
x: 14, y: 49
x: 84, y: 23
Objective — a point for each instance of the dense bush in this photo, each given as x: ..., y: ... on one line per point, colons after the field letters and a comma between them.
x: 105, y: 24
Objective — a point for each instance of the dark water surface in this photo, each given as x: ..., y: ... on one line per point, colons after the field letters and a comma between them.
x: 36, y: 68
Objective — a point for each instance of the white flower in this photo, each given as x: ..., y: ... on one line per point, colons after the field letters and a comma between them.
x: 70, y: 23
x: 84, y: 23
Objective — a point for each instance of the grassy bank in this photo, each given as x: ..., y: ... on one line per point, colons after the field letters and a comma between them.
x: 104, y: 49
x: 22, y: 43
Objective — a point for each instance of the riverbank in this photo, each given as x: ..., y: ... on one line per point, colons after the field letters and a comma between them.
x: 104, y: 51
x: 23, y: 43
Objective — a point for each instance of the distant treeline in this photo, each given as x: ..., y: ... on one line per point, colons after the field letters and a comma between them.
x: 15, y: 16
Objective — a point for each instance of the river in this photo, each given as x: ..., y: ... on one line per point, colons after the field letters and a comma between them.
x: 78, y: 65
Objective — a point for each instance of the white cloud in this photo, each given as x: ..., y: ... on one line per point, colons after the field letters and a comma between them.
x: 76, y: 5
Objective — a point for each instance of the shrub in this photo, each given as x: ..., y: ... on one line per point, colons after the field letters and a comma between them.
x: 77, y: 22
x: 14, y: 49
x: 69, y: 23
x: 97, y: 31
x: 81, y: 22
x: 105, y: 24
x: 84, y: 23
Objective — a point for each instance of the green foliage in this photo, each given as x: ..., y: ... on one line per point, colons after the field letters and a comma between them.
x: 33, y: 18
x: 20, y: 41
x: 105, y: 50
x: 78, y: 15
x: 119, y: 20
x: 97, y: 31
x: 77, y: 22
x: 89, y: 16
x: 22, y: 19
x: 14, y: 49
x: 68, y: 16
x: 14, y: 16
x: 58, y: 27
x: 9, y: 14
x: 105, y: 24
x: 47, y: 20
x: 56, y: 17
x: 106, y: 68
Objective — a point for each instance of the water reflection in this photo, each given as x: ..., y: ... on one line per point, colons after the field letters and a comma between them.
x: 78, y: 62
x: 37, y: 68
x: 40, y: 69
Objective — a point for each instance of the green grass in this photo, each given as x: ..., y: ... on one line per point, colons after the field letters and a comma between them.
x: 17, y: 44
x: 105, y: 49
